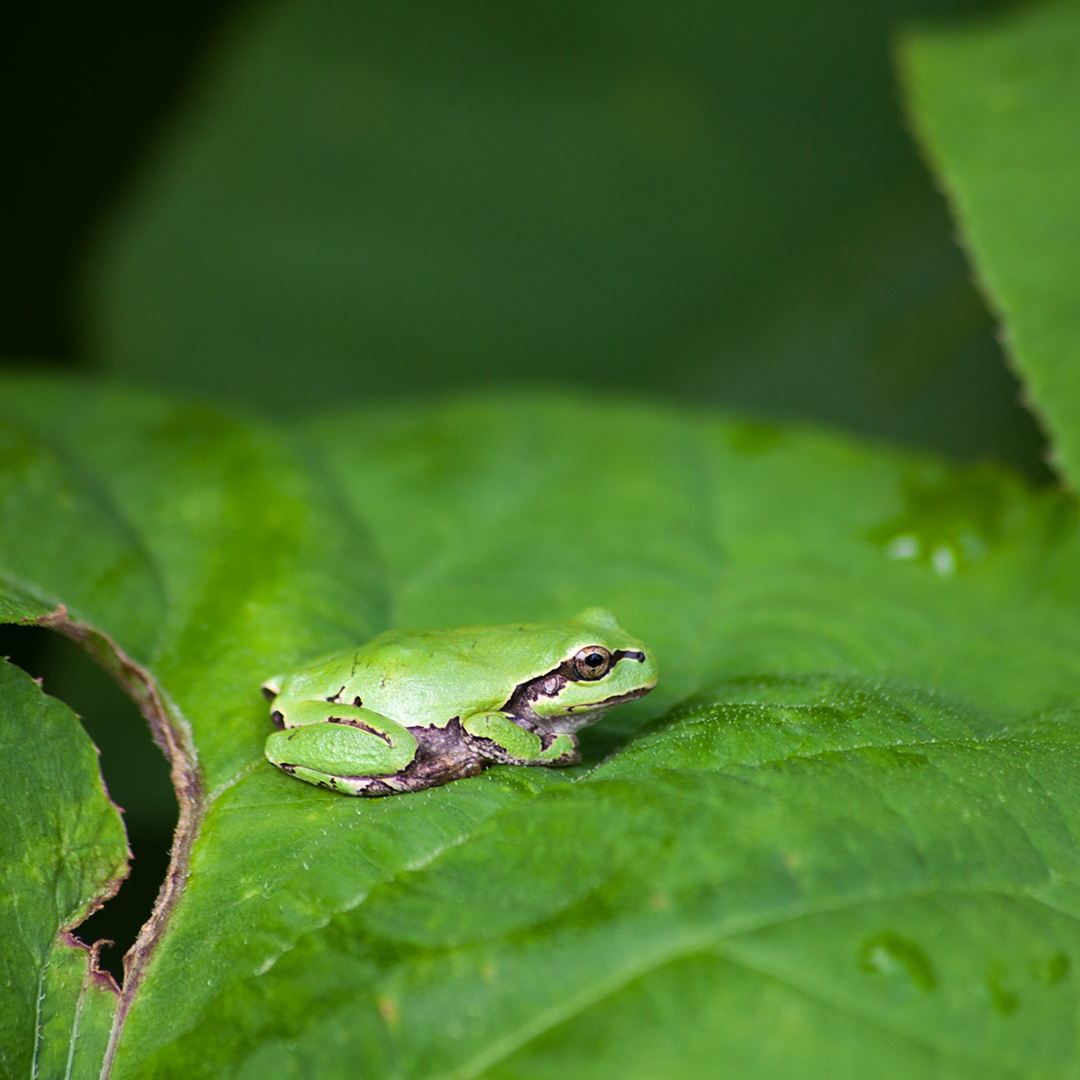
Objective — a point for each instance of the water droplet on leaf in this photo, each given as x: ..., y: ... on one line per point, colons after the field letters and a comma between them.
x: 944, y: 560
x: 950, y: 519
x: 905, y: 546
x: 1053, y: 969
x: 1002, y: 998
x: 892, y: 954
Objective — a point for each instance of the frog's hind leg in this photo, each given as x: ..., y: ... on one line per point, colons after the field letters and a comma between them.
x: 350, y: 750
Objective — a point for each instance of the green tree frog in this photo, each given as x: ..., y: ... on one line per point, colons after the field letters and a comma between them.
x: 416, y: 708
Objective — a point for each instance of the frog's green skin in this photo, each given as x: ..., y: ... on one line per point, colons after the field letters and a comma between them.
x: 417, y: 708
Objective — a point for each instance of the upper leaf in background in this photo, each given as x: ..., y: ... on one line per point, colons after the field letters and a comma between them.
x: 711, y: 200
x: 998, y: 108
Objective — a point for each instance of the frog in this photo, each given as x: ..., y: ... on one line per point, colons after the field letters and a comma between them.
x: 413, y: 709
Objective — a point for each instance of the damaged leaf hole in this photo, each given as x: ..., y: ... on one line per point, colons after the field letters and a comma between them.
x: 135, y: 771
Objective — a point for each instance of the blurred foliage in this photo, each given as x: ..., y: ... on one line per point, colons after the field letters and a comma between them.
x: 706, y: 201
x: 992, y: 107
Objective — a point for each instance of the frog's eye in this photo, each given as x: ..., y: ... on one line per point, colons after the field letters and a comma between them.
x: 592, y: 662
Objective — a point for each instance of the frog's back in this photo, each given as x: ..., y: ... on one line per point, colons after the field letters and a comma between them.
x: 425, y: 677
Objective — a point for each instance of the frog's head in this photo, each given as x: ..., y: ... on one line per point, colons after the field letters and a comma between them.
x: 599, y: 665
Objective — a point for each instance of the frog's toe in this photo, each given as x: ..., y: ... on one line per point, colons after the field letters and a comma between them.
x: 371, y: 787
x: 562, y: 750
x: 272, y: 687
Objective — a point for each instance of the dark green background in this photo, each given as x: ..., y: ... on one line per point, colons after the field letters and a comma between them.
x: 698, y: 200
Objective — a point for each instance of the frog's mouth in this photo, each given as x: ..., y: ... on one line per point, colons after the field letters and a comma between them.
x: 579, y: 716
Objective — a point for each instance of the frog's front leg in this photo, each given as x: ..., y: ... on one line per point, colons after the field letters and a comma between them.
x: 342, y: 747
x: 504, y: 741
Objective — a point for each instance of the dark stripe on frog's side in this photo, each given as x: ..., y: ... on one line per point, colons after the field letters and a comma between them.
x: 610, y: 702
x: 552, y: 682
x: 349, y: 722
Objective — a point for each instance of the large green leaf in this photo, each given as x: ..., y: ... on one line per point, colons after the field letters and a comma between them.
x: 711, y: 200
x: 850, y: 852
x: 998, y: 107
x: 63, y: 851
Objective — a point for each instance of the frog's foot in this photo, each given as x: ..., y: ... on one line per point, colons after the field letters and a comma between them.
x: 346, y: 751
x: 561, y: 749
x: 498, y: 738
